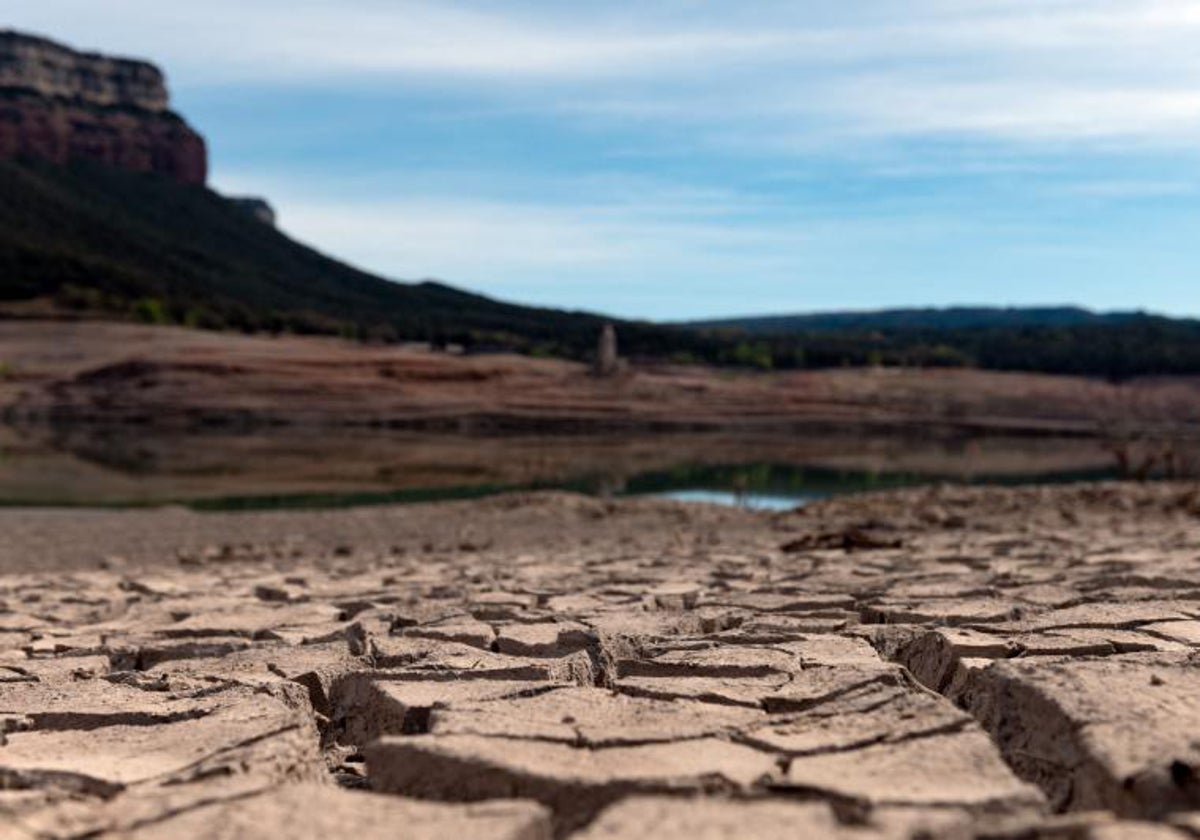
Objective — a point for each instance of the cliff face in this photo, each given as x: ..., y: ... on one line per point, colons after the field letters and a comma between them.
x: 60, y: 105
x: 57, y: 71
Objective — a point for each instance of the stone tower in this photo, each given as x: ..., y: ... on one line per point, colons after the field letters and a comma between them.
x: 607, y: 362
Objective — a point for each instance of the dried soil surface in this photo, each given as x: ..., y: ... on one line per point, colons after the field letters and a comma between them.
x: 942, y: 663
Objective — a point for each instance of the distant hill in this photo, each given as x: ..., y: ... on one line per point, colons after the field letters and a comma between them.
x: 950, y: 318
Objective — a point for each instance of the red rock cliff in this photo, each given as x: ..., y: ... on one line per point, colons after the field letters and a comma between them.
x: 60, y: 105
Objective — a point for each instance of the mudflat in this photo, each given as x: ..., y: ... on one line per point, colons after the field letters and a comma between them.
x: 934, y: 663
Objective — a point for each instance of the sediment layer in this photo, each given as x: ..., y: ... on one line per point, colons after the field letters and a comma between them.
x: 65, y: 106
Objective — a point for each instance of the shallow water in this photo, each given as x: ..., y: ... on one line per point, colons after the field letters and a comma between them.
x: 750, y: 501
x: 294, y: 468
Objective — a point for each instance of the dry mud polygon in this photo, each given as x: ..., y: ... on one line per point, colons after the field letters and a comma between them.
x: 947, y: 663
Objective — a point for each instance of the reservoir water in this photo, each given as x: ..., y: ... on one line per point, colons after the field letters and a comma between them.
x: 286, y: 468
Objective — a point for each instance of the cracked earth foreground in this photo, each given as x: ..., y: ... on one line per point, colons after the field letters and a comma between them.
x: 947, y: 663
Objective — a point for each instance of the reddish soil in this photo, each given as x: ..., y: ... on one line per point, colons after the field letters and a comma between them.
x: 90, y: 371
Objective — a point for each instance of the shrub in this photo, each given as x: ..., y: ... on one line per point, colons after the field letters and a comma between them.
x: 150, y: 311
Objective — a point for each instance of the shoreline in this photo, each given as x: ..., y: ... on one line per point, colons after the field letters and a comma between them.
x: 169, y: 378
x: 140, y: 538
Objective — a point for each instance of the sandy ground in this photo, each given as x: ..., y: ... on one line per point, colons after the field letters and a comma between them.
x: 939, y: 663
x: 159, y: 376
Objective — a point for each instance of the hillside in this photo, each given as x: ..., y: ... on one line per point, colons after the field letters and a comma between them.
x: 99, y: 239
x: 104, y: 211
x: 1065, y: 340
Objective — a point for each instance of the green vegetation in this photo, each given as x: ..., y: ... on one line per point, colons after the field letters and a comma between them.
x: 1047, y: 340
x: 755, y: 354
x: 1139, y: 346
x: 154, y: 311
x: 949, y: 318
x: 143, y: 248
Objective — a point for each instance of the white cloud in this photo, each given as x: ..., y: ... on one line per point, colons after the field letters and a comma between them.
x: 314, y: 39
x: 622, y: 245
x: 485, y: 243
x: 1027, y: 70
x: 1030, y: 110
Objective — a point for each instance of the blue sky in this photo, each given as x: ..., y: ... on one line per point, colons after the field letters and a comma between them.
x: 684, y: 159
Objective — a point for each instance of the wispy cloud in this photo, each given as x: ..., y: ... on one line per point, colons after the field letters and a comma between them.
x: 1021, y: 70
x: 1130, y: 188
x: 306, y: 40
x: 637, y: 247
x: 616, y: 235
x: 1018, y: 110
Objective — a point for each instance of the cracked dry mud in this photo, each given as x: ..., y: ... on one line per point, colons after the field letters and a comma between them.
x: 946, y: 663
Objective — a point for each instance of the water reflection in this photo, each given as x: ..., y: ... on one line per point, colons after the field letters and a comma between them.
x: 787, y: 486
x: 750, y: 501
x: 320, y: 468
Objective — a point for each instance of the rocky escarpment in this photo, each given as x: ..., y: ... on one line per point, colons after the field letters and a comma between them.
x: 60, y: 105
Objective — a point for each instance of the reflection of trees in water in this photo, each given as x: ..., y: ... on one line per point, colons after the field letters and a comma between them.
x: 117, y: 450
x: 762, y: 479
x: 281, y: 461
x: 1150, y: 433
x: 741, y: 489
x: 747, y: 481
x: 608, y: 485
